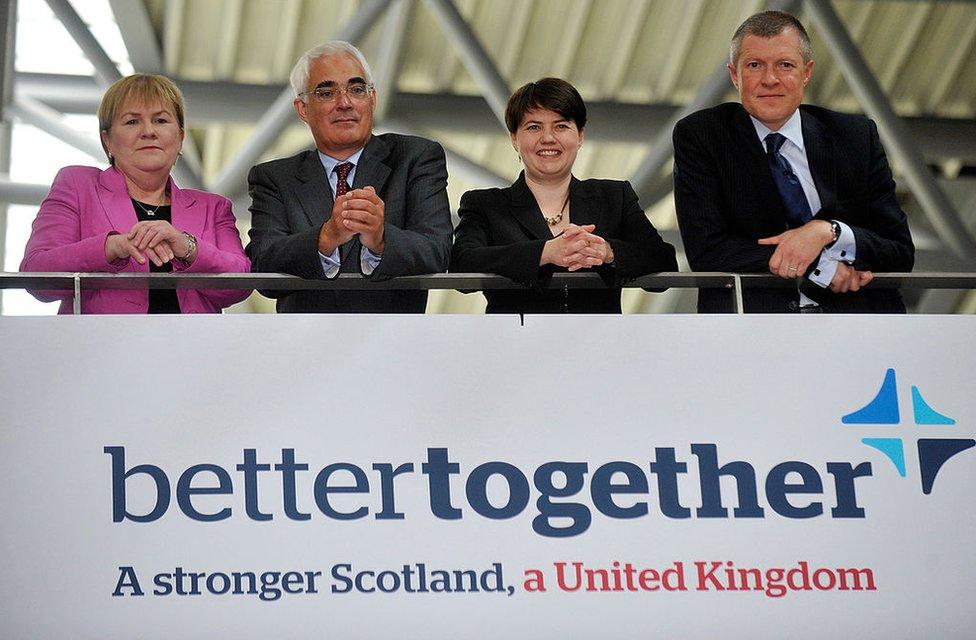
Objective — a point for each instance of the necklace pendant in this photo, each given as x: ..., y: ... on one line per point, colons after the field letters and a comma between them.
x: 556, y: 219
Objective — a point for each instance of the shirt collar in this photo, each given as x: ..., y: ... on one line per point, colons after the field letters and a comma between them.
x: 330, y: 163
x: 792, y: 130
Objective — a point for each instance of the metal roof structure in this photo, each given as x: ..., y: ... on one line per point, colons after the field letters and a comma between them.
x: 446, y: 67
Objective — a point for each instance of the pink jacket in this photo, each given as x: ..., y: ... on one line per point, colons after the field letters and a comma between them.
x: 86, y: 204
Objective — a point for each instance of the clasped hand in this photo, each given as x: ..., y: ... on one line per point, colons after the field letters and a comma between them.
x: 157, y: 240
x: 847, y: 278
x: 577, y: 248
x: 359, y: 211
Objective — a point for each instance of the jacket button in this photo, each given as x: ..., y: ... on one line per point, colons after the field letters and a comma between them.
x: 792, y: 305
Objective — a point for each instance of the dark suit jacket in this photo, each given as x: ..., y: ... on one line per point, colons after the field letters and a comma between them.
x: 291, y: 199
x: 726, y: 200
x: 502, y: 231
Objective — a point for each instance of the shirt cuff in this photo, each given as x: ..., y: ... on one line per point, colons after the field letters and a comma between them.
x: 845, y: 249
x: 368, y: 261
x: 823, y: 274
x: 330, y: 264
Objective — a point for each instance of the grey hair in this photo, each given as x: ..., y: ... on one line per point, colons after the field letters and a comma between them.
x: 769, y: 24
x: 299, y: 73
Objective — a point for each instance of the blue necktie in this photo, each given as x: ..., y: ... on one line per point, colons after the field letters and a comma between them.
x: 797, y: 207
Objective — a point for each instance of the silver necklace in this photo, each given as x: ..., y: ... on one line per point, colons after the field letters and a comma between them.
x: 148, y: 212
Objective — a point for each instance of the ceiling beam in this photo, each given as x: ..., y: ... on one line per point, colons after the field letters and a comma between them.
x: 476, y: 60
x: 107, y: 72
x: 142, y: 45
x: 390, y: 54
x: 138, y: 35
x: 105, y: 69
x: 283, y: 60
x: 898, y: 139
x: 647, y: 178
x: 566, y: 47
x: 952, y: 65
x: 230, y: 102
x: 24, y: 193
x: 686, y: 33
x: 48, y: 120
x: 228, y: 36
x: 8, y: 35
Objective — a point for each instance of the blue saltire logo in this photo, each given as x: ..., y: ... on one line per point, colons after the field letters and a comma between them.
x: 933, y: 453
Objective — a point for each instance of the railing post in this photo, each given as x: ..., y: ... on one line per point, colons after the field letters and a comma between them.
x: 76, y: 299
x: 740, y: 307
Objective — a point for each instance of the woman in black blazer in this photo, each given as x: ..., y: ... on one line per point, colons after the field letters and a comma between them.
x: 549, y: 221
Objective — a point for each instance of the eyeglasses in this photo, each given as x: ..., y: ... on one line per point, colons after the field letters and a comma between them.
x: 357, y: 91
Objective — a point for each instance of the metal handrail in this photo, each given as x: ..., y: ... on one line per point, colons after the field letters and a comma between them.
x: 78, y: 282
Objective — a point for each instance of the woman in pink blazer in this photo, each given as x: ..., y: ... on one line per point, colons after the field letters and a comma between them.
x: 131, y: 217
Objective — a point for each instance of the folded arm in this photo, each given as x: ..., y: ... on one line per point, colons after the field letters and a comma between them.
x: 474, y: 251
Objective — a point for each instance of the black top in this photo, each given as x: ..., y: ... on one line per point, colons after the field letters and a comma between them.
x: 160, y: 300
x: 502, y: 231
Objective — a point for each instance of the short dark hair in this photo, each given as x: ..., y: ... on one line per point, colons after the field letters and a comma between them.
x: 769, y: 24
x: 554, y: 94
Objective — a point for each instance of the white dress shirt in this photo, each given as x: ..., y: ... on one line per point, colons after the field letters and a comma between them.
x: 368, y: 261
x: 795, y: 153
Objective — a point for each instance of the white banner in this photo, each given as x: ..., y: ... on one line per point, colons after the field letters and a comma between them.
x: 351, y: 476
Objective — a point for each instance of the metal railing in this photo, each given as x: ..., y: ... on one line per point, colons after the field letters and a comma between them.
x: 735, y: 283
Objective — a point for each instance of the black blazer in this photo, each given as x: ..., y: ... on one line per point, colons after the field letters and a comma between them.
x: 502, y: 231
x: 726, y: 200
x: 291, y: 199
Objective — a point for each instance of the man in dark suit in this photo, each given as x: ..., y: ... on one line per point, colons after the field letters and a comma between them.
x: 358, y: 203
x: 799, y: 191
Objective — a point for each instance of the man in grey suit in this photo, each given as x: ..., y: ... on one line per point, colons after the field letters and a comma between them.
x: 358, y: 203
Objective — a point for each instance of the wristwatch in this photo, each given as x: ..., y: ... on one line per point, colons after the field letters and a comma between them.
x: 191, y: 246
x: 835, y: 229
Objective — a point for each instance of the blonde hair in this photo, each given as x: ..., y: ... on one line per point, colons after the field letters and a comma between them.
x: 140, y: 87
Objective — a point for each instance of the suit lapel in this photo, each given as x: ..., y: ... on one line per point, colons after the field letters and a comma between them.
x: 114, y: 198
x: 526, y: 210
x: 188, y: 212
x: 767, y: 200
x: 820, y: 152
x: 373, y: 169
x: 314, y: 191
x: 584, y: 204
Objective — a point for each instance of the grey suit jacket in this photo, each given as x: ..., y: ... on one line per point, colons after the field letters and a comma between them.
x: 291, y: 199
